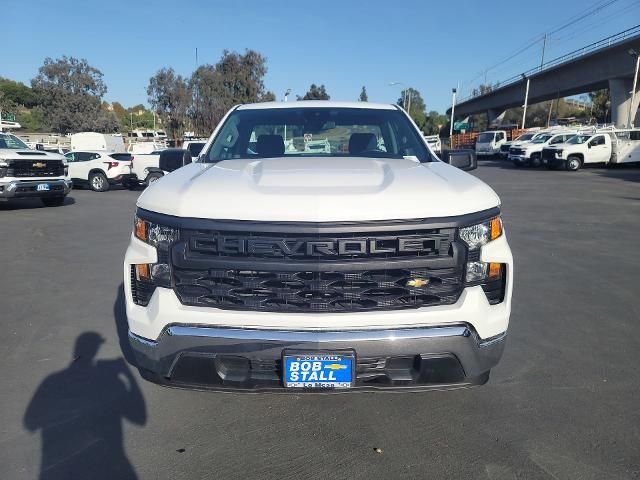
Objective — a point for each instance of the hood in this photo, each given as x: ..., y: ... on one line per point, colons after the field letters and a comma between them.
x: 27, y: 154
x: 318, y: 189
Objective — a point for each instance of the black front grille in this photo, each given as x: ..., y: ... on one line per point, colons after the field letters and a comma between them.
x: 317, y: 291
x: 284, y: 272
x: 505, y: 148
x: 35, y: 168
x: 516, y: 151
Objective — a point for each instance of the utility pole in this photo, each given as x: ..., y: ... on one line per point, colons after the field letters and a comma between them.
x: 453, y: 107
x: 544, y: 47
x: 526, y: 99
x: 632, y: 52
x: 409, y: 103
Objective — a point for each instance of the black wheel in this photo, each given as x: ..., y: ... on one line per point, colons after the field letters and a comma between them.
x: 535, y: 161
x: 53, y: 201
x: 98, y: 182
x: 573, y: 163
x: 152, y: 177
x: 518, y: 163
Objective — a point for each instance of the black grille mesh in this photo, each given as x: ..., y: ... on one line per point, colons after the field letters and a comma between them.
x: 35, y: 168
x: 317, y: 291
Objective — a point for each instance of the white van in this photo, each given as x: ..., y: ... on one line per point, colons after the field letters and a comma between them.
x: 91, y: 141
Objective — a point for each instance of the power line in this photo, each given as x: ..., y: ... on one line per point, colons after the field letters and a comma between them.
x: 595, y: 8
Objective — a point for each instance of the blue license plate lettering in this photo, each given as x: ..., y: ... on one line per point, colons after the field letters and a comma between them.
x: 318, y: 371
x: 42, y: 187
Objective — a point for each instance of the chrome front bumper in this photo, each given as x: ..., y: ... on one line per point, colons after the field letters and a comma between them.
x: 29, y: 188
x: 249, y: 359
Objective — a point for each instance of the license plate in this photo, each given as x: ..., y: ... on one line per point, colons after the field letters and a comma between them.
x: 42, y: 187
x: 318, y: 370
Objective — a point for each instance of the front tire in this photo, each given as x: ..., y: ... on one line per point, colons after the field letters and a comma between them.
x: 573, y: 163
x: 98, y: 182
x: 535, y: 161
x: 53, y: 201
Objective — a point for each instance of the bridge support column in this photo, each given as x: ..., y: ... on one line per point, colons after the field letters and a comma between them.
x: 495, y: 117
x: 619, y: 91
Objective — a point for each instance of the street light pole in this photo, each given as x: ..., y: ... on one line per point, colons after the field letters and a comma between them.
x: 453, y: 108
x: 286, y: 97
x: 404, y: 93
x: 526, y: 99
x: 633, y: 53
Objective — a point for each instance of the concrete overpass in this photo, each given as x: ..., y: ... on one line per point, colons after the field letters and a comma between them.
x: 604, y: 64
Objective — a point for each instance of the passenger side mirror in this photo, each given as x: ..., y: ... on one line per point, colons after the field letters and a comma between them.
x: 173, y: 158
x: 588, y: 145
x: 464, y: 159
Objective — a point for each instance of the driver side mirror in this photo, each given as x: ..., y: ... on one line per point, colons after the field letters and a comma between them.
x: 464, y: 159
x: 588, y: 145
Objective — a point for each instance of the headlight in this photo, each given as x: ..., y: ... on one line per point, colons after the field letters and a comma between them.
x: 559, y: 153
x: 480, y: 234
x: 145, y: 277
x: 159, y: 236
x: 490, y: 276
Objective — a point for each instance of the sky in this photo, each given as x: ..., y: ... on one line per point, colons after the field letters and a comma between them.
x: 430, y: 46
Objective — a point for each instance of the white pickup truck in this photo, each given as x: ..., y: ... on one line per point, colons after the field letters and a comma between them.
x: 610, y: 146
x: 530, y: 153
x: 27, y: 173
x: 373, y: 265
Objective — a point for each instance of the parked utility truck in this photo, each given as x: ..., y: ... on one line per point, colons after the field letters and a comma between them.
x: 488, y: 143
x: 605, y: 147
x: 530, y: 153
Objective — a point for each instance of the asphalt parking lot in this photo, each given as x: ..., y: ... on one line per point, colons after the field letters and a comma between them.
x: 563, y: 403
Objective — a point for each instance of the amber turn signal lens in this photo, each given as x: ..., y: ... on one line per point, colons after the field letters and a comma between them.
x: 142, y: 271
x: 494, y: 271
x: 496, y: 228
x: 141, y: 229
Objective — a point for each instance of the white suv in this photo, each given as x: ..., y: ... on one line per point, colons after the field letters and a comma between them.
x: 374, y: 265
x: 99, y: 169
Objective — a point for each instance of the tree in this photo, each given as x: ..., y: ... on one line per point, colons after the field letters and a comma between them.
x: 415, y: 106
x: 170, y: 97
x: 211, y: 98
x: 601, y: 105
x: 70, y: 93
x: 363, y: 95
x: 434, y: 122
x: 315, y: 93
x: 17, y: 93
x: 236, y: 78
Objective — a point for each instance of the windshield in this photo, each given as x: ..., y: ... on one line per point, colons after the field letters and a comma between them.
x: 486, y: 137
x: 541, y: 139
x: 578, y: 139
x: 11, y: 142
x: 524, y: 137
x: 317, y: 132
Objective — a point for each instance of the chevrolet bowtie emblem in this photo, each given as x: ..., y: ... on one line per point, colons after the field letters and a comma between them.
x: 335, y: 366
x: 39, y: 165
x: 417, y: 282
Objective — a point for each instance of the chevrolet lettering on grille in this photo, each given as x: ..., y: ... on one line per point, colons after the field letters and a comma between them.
x: 280, y: 247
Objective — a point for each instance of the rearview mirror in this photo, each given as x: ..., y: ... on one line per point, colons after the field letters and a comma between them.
x: 464, y: 159
x: 173, y: 158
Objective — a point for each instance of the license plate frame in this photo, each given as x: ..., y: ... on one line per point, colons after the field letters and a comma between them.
x: 43, y: 187
x: 329, y: 376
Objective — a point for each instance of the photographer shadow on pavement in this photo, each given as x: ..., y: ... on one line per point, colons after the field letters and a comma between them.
x: 79, y: 413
